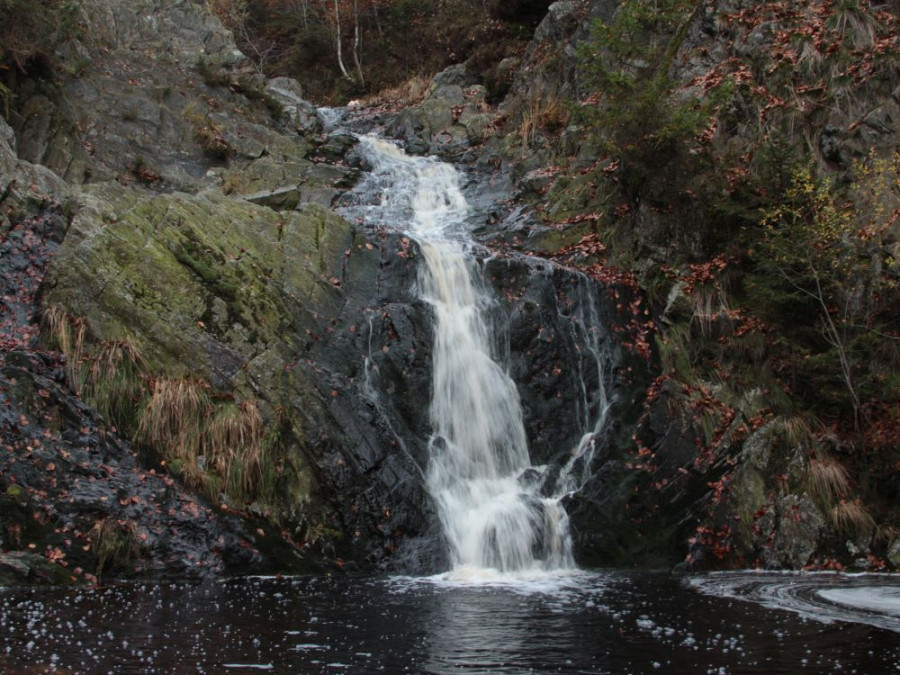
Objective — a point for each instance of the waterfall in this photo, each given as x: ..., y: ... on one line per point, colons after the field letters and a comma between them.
x: 488, y: 496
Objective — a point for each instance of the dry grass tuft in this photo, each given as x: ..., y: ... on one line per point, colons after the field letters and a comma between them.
x: 173, y: 419
x: 548, y: 115
x: 114, y: 542
x: 856, y: 24
x: 233, y: 447
x: 851, y: 518
x: 828, y: 480
x: 796, y: 431
x: 66, y: 333
x: 114, y: 382
x: 409, y: 93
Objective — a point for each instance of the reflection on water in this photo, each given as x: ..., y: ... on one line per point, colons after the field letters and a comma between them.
x: 582, y: 623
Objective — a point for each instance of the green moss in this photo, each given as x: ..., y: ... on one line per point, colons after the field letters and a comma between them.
x: 16, y: 493
x: 213, y: 278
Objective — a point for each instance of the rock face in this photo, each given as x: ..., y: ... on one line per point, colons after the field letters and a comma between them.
x: 197, y: 252
x: 657, y: 496
x: 199, y: 230
x: 160, y: 95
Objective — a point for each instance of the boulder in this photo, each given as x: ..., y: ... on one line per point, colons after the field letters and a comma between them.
x: 452, y: 118
x: 301, y: 113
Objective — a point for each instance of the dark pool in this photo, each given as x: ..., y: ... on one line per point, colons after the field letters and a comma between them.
x: 585, y: 623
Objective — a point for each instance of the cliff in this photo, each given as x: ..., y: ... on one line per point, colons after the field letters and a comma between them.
x: 206, y: 370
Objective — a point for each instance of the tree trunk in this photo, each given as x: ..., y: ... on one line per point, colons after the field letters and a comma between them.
x: 337, y: 40
x: 357, y: 44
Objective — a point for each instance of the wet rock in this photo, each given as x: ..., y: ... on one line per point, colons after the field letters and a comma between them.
x: 301, y: 113
x: 559, y: 362
x: 158, y: 108
x: 18, y: 568
x: 453, y: 76
x: 279, y: 199
x: 893, y: 554
x: 453, y: 117
x: 791, y: 531
x: 337, y: 144
x: 559, y: 23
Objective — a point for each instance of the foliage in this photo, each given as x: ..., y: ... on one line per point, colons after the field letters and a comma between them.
x: 827, y: 263
x: 31, y: 29
x: 343, y: 49
x: 637, y: 112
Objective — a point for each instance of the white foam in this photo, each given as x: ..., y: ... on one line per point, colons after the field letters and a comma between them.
x: 872, y: 598
x: 527, y: 582
x: 253, y: 666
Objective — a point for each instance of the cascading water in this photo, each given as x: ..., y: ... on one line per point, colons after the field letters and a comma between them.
x: 488, y: 496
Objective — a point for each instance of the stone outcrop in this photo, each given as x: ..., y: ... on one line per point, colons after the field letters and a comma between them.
x: 201, y: 232
x: 453, y: 117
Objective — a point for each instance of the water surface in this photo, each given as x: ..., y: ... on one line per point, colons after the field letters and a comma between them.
x: 575, y: 623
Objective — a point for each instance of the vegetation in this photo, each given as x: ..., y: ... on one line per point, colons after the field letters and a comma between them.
x: 114, y: 543
x: 766, y: 252
x: 349, y: 48
x: 31, y: 30
x: 641, y: 118
x: 29, y: 34
x: 208, y: 133
x: 215, y: 445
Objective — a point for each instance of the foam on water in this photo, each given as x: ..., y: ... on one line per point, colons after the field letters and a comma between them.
x: 870, y: 599
x: 559, y: 583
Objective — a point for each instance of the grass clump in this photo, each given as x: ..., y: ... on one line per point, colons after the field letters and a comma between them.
x: 218, y: 447
x: 172, y: 422
x: 208, y: 133
x: 852, y: 518
x: 66, y: 333
x: 114, y: 384
x: 548, y: 115
x: 233, y: 447
x: 114, y: 543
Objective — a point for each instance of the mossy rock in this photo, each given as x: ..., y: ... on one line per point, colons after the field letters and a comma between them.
x: 185, y: 274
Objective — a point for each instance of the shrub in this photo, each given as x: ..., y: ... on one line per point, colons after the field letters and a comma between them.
x: 827, y: 270
x: 636, y: 113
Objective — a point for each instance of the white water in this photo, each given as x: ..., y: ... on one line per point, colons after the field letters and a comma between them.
x: 479, y: 471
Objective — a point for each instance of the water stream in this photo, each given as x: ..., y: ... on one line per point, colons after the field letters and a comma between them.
x: 496, y: 512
